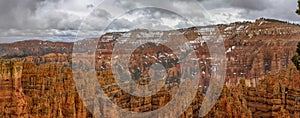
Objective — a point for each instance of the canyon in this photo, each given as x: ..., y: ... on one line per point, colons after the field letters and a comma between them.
x: 261, y: 81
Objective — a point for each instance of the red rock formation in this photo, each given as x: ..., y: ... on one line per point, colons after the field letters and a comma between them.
x: 261, y: 80
x: 13, y: 102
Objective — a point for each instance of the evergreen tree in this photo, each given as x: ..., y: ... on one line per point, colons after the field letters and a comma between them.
x: 298, y: 49
x: 298, y: 10
x: 296, y: 58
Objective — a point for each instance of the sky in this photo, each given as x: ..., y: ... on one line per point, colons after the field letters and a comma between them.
x: 59, y: 20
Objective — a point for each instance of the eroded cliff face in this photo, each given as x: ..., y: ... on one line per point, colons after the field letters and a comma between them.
x: 39, y: 86
x: 48, y: 91
x: 257, y: 49
x: 33, y: 48
x: 51, y: 91
x: 275, y: 96
x: 13, y: 102
x: 261, y: 79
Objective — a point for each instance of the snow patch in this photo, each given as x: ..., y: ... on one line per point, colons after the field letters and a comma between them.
x: 228, y: 28
x: 230, y: 49
x: 195, y: 59
x: 240, y: 28
x: 261, y: 23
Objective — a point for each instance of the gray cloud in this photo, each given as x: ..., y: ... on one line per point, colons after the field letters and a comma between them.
x: 277, y: 9
x: 17, y: 13
x: 30, y: 18
x: 41, y: 14
x: 251, y: 4
x: 59, y: 14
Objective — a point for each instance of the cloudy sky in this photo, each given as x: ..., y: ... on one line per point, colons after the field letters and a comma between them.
x: 59, y: 20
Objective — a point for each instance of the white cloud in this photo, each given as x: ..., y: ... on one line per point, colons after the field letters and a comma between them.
x: 226, y: 15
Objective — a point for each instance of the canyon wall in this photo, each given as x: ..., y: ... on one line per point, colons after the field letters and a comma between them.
x: 261, y: 80
x: 13, y: 102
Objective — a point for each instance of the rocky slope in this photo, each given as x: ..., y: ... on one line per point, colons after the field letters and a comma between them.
x: 33, y: 48
x: 261, y: 80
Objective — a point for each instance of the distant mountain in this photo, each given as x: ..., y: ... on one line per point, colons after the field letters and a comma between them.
x: 33, y: 48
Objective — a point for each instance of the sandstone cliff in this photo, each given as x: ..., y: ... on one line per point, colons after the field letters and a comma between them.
x: 261, y: 80
x: 13, y: 102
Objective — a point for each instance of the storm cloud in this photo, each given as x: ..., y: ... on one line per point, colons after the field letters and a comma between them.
x: 17, y: 13
x: 23, y: 19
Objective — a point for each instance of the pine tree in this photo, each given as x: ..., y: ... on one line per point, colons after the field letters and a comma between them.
x: 296, y: 58
x: 298, y: 49
x: 298, y: 10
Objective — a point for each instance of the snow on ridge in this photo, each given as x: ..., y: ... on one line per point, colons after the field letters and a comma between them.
x: 228, y: 28
x: 230, y: 49
x: 240, y: 28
